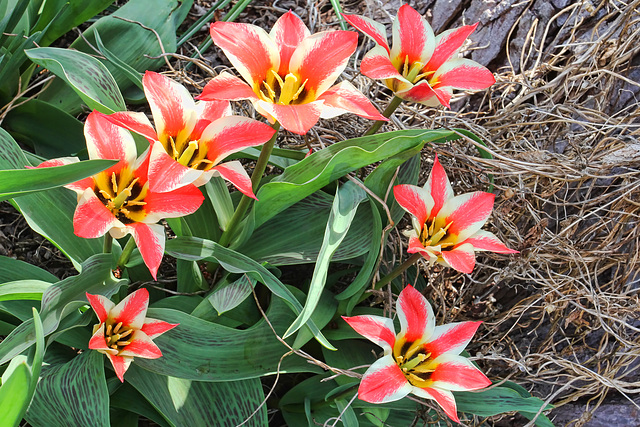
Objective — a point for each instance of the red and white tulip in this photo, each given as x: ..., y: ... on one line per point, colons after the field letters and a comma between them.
x: 447, y: 228
x: 190, y: 138
x: 419, y: 66
x: 124, y: 332
x: 289, y: 72
x: 423, y: 359
x: 119, y: 200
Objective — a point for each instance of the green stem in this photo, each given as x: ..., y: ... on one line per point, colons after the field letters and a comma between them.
x: 395, y: 273
x: 108, y: 243
x: 126, y: 253
x: 395, y: 102
x: 256, y: 176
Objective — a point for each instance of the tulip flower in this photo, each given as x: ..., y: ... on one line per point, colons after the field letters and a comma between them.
x: 289, y: 73
x: 422, y: 359
x: 124, y: 332
x: 191, y: 139
x: 447, y: 228
x: 420, y: 67
x: 119, y: 200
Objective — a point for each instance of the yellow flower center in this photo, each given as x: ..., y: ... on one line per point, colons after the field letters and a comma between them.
x: 433, y: 235
x: 116, y: 336
x: 191, y: 154
x: 414, y: 362
x: 413, y: 72
x: 283, y: 91
x: 122, y: 194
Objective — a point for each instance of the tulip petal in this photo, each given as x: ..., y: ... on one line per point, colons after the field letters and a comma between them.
x: 150, y: 240
x: 154, y: 327
x: 444, y: 398
x: 166, y: 174
x: 413, y: 37
x: 91, y: 218
x: 376, y: 329
x: 415, y: 246
x: 234, y: 173
x: 120, y: 365
x: 448, y: 44
x: 467, y: 213
x: 141, y: 346
x: 461, y: 259
x: 383, y: 382
x: 345, y: 98
x: 78, y: 186
x: 321, y: 58
x: 371, y: 28
x: 101, y: 305
x: 294, y: 118
x: 377, y: 65
x: 231, y: 134
x: 463, y: 74
x: 439, y: 187
x: 131, y: 310
x: 487, y: 241
x: 209, y: 111
x: 98, y: 342
x: 415, y: 200
x: 172, y: 204
x: 108, y: 141
x: 417, y: 320
x: 249, y: 48
x: 456, y: 373
x: 288, y: 32
x: 226, y: 87
x: 451, y: 338
x: 421, y: 93
x: 135, y: 122
x: 172, y: 107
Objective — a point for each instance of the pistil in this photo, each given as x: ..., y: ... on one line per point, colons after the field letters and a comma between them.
x: 187, y: 154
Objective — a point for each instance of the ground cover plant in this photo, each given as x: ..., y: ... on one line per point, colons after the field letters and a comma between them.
x: 338, y: 213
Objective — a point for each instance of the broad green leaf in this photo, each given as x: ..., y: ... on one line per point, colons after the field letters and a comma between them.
x: 72, y: 394
x: 346, y: 413
x: 126, y: 397
x: 194, y: 403
x: 322, y: 315
x: 14, y: 395
x: 134, y: 76
x: 495, y: 401
x: 23, y: 289
x: 18, y: 182
x: 218, y: 193
x: 13, y: 269
x: 230, y: 296
x: 345, y: 204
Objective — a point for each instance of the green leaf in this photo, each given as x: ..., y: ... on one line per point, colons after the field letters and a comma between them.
x: 72, y: 394
x: 343, y: 211
x: 87, y: 76
x: 18, y: 182
x: 231, y: 295
x: 218, y: 193
x: 497, y: 400
x: 14, y: 394
x: 194, y: 403
x: 23, y: 289
x: 13, y: 269
x: 126, y: 397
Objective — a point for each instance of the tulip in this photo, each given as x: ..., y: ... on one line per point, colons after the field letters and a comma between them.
x: 447, y: 228
x: 191, y: 139
x: 419, y: 66
x: 124, y: 332
x: 423, y: 359
x: 289, y: 73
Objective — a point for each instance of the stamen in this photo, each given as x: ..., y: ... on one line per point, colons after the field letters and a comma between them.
x: 297, y: 94
x: 117, y: 328
x: 272, y: 94
x: 405, y: 68
x: 105, y: 194
x: 108, y: 331
x: 114, y: 183
x: 413, y: 72
x: 123, y: 343
x: 174, y: 151
x: 207, y: 162
x: 126, y: 333
x: 187, y: 154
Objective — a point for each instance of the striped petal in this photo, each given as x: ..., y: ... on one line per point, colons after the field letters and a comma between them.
x: 97, y: 341
x: 377, y: 65
x: 150, y: 240
x: 294, y: 118
x: 376, y: 329
x: 383, y: 382
x: 172, y: 107
x: 207, y: 112
x: 120, y: 365
x: 231, y: 134
x: 456, y: 373
x: 413, y: 37
x: 415, y: 246
x: 451, y: 338
x: 249, y: 48
x: 448, y: 44
x: 91, y: 218
x: 345, y: 98
x: 288, y: 32
x: 439, y: 187
x: 131, y: 310
x: 154, y: 328
x: 172, y: 204
x: 487, y: 241
x: 135, y: 122
x: 321, y: 58
x: 108, y: 141
x: 226, y: 87
x: 371, y: 28
x: 417, y: 320
x: 78, y: 186
x: 234, y: 173
x: 462, y: 258
x: 415, y: 200
x: 444, y: 398
x: 467, y: 213
x: 101, y: 305
x: 422, y: 93
x: 165, y: 174
x: 463, y: 74
x: 141, y: 346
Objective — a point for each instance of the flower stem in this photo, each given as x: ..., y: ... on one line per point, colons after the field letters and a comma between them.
x: 245, y: 202
x: 126, y: 253
x: 393, y: 104
x: 395, y: 273
x: 108, y: 243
